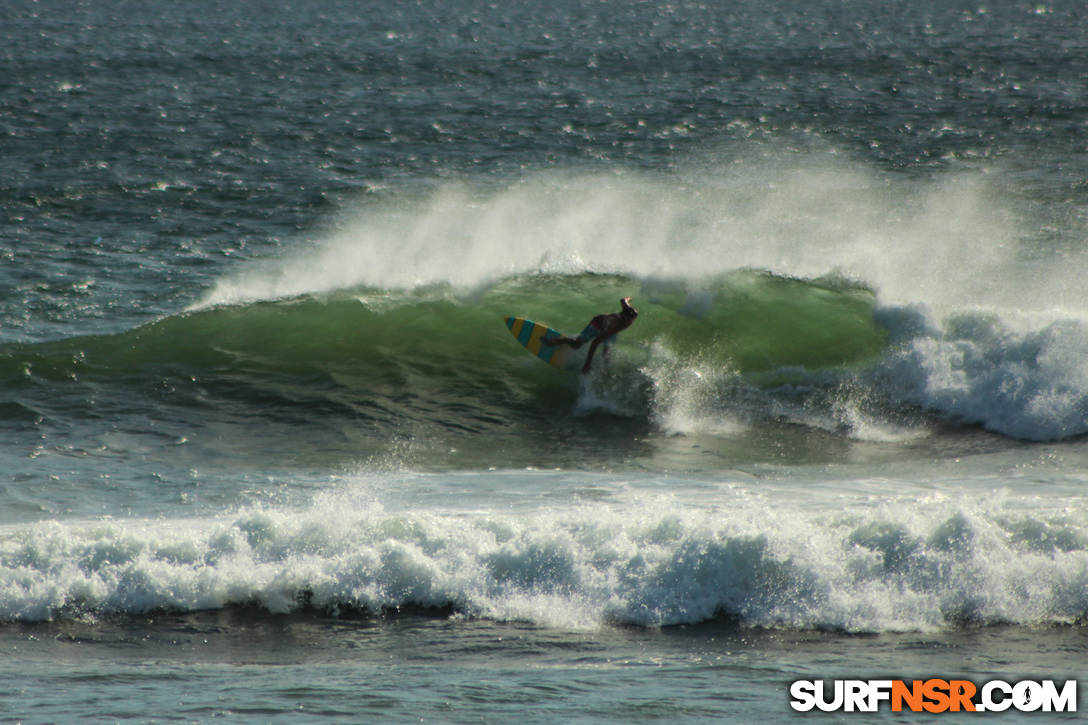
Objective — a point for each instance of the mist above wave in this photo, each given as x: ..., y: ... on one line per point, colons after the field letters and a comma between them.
x: 939, y: 240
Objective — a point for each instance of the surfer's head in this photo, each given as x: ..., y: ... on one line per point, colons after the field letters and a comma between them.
x: 628, y: 311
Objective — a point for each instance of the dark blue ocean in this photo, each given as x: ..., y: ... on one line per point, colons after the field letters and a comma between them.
x: 268, y: 452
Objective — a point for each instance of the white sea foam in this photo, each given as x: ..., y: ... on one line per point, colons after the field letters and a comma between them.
x: 882, y: 559
x: 1022, y: 375
x: 692, y: 396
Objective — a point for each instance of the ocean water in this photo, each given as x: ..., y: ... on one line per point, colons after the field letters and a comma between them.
x: 269, y: 454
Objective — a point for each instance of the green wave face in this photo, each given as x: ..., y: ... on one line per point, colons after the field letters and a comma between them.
x: 359, y: 367
x: 751, y: 321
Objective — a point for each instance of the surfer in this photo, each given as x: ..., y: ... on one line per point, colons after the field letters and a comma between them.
x: 600, y: 329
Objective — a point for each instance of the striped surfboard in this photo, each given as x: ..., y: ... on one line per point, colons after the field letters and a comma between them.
x: 530, y: 333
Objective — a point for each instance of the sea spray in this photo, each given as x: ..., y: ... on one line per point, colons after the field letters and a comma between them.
x: 792, y: 214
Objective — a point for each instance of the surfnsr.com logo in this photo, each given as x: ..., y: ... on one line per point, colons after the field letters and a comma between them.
x: 933, y: 695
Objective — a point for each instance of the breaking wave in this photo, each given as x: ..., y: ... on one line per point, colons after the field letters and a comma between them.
x: 911, y: 563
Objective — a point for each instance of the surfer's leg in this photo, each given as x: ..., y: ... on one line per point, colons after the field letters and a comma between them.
x: 574, y: 342
x: 589, y: 358
x: 591, y: 332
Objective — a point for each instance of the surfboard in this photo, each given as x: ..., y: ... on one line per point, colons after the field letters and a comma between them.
x: 530, y: 334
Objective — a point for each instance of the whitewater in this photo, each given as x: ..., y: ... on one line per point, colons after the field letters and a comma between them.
x: 905, y: 556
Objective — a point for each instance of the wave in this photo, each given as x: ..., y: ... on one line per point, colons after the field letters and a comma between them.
x: 755, y: 319
x: 774, y: 288
x: 419, y: 351
x: 709, y: 356
x: 920, y: 563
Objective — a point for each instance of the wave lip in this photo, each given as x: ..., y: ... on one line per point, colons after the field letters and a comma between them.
x: 937, y: 564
